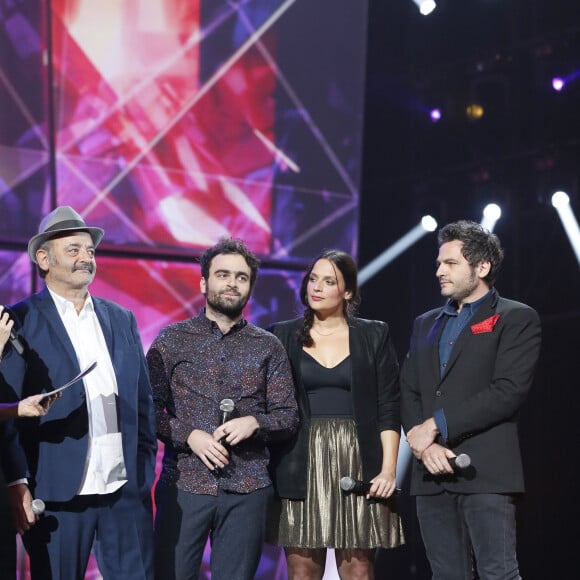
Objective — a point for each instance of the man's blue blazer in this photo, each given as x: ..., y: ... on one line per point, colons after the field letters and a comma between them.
x: 51, y: 451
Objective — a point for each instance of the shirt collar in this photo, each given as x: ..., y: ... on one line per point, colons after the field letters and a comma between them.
x: 213, y: 325
x: 62, y: 304
x: 450, y: 308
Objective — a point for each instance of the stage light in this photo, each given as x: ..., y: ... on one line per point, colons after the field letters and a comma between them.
x: 426, y: 6
x: 427, y: 224
x: 474, y: 111
x: 558, y: 84
x: 491, y: 214
x: 435, y: 115
x: 561, y: 201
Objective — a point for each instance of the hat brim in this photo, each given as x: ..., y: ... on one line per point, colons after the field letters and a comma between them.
x: 39, y: 239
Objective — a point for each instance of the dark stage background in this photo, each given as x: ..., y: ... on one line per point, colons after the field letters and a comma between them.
x: 501, y: 54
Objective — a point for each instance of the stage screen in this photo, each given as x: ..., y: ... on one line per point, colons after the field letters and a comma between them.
x: 183, y: 121
x: 172, y: 124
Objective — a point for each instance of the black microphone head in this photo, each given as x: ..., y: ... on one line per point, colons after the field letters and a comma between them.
x: 347, y: 483
x: 462, y: 461
x: 226, y: 405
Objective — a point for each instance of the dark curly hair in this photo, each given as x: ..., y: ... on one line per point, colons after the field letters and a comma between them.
x: 230, y: 246
x: 479, y: 245
x: 347, y: 267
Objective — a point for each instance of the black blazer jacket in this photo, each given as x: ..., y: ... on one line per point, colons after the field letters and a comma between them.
x: 375, y: 396
x: 485, y: 383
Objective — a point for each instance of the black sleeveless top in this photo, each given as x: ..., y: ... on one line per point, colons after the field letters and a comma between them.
x: 328, y: 389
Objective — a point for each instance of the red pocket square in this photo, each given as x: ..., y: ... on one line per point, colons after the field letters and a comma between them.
x: 485, y: 325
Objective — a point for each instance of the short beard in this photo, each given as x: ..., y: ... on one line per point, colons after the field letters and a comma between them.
x: 230, y: 309
x: 466, y: 291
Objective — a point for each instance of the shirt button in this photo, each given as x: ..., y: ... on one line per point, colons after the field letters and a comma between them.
x: 444, y: 365
x: 437, y: 393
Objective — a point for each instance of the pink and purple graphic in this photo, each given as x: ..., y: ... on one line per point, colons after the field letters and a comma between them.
x: 173, y: 123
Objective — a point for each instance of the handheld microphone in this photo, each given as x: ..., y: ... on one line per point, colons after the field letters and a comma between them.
x: 462, y: 461
x: 226, y: 408
x: 15, y: 342
x: 350, y: 485
x: 38, y: 507
x: 13, y: 338
x: 358, y: 487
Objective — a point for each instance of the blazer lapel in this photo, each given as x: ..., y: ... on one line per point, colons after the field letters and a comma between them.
x: 361, y: 355
x: 102, y: 313
x: 486, y: 310
x: 433, y: 337
x: 48, y: 309
x: 356, y: 344
x: 294, y: 351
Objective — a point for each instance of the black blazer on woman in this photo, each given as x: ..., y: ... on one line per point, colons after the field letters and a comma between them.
x: 375, y: 397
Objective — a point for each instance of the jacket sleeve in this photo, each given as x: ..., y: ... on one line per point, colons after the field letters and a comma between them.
x: 388, y: 394
x: 280, y: 420
x: 170, y: 430
x: 12, y: 371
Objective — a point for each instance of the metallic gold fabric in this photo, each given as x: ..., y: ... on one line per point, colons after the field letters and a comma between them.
x: 328, y: 517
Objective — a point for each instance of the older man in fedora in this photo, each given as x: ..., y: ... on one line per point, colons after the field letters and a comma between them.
x: 92, y: 458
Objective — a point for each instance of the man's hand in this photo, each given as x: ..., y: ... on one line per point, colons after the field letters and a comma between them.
x: 436, y: 459
x: 208, y: 449
x: 236, y: 430
x: 421, y: 436
x: 22, y: 513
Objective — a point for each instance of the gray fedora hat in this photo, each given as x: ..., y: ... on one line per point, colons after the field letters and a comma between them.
x: 62, y: 219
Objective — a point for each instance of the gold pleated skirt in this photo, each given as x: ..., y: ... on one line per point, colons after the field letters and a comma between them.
x: 328, y: 517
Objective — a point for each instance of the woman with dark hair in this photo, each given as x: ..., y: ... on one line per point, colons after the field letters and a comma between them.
x: 346, y: 375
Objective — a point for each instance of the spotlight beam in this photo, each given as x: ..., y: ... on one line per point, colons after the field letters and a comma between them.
x: 404, y: 458
x: 491, y: 214
x: 392, y: 252
x: 562, y: 204
x: 425, y: 6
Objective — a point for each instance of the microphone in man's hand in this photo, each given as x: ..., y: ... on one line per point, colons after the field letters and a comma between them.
x: 226, y: 409
x: 38, y: 507
x: 461, y: 461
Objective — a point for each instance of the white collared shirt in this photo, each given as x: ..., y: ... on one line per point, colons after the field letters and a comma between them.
x: 105, y: 470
